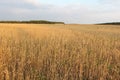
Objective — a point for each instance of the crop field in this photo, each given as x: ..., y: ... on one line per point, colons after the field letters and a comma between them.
x: 59, y: 52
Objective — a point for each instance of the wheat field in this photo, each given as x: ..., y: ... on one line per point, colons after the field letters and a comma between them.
x: 59, y: 52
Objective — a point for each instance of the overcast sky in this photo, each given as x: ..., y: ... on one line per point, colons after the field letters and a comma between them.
x: 68, y: 11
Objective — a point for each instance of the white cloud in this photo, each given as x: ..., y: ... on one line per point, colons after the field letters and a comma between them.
x: 110, y: 2
x: 34, y: 2
x: 20, y: 2
x: 74, y: 13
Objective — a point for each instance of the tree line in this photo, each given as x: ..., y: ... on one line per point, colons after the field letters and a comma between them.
x: 34, y: 22
x: 110, y: 23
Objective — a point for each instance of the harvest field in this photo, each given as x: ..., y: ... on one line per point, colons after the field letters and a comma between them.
x: 59, y: 52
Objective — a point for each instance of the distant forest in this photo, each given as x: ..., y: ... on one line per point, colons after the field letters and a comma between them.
x: 33, y: 22
x: 110, y: 23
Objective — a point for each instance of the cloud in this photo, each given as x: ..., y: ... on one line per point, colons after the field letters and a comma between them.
x: 71, y: 13
x: 19, y: 3
x: 110, y: 2
x: 34, y: 2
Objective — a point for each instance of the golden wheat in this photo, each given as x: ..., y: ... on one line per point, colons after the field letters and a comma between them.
x: 59, y: 52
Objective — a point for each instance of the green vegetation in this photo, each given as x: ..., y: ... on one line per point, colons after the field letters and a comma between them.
x: 33, y: 22
x: 110, y: 23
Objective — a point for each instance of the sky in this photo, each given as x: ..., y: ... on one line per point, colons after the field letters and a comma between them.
x: 68, y: 11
